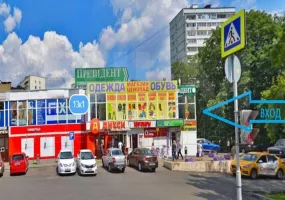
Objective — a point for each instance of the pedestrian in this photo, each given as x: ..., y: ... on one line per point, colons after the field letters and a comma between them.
x: 179, y: 150
x: 153, y: 148
x: 102, y: 149
x: 124, y: 148
x: 120, y: 144
x: 174, y: 149
x: 228, y: 146
x: 200, y: 149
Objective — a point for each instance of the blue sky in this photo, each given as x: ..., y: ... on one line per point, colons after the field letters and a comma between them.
x: 51, y: 38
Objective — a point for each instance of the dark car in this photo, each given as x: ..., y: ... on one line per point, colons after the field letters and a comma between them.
x: 142, y: 158
x: 278, y: 149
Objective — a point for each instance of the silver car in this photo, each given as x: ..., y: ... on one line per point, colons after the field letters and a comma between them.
x: 114, y: 159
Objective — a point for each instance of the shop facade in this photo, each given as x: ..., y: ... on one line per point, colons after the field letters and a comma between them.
x: 39, y: 123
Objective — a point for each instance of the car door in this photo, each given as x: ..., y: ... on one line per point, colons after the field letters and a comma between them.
x: 130, y: 157
x: 106, y: 158
x: 272, y: 165
x: 205, y: 144
x: 262, y: 165
x: 78, y: 160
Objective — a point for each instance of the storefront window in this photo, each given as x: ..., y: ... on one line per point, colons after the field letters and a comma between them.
x: 93, y: 111
x: 22, y: 113
x: 121, y: 106
x: 101, y: 111
x: 101, y: 98
x: 142, y: 106
x: 152, y: 105
x: 62, y: 112
x: 186, y: 111
x: 132, y: 106
x: 190, y: 98
x: 181, y: 99
x: 171, y: 105
x: 92, y: 98
x: 32, y: 114
x: 2, y: 114
x: 111, y: 107
x: 51, y: 111
x: 41, y: 112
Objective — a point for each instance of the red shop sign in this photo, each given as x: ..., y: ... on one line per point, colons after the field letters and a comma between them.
x: 48, y: 128
x: 142, y: 124
x: 149, y: 133
x: 114, y: 125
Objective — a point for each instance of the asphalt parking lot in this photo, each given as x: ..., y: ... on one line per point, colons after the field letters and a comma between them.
x: 44, y: 184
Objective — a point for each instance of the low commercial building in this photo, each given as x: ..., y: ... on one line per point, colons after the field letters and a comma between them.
x: 138, y: 114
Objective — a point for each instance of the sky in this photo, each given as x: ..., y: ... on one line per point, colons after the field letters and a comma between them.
x: 52, y: 38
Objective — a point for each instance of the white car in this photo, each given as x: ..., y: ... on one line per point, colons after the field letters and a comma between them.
x: 86, y: 163
x: 66, y: 163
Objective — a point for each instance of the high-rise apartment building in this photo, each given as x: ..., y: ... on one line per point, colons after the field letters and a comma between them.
x: 192, y: 26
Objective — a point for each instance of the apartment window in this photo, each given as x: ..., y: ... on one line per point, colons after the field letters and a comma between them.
x: 209, y: 24
x: 192, y: 49
x: 35, y: 87
x: 191, y: 24
x: 35, y: 81
x: 214, y: 24
x: 191, y: 41
x: 191, y: 33
x: 213, y: 16
x: 209, y: 32
x: 203, y: 16
x: 229, y: 15
x: 221, y: 16
x: 202, y: 24
x: 201, y: 32
x: 191, y: 17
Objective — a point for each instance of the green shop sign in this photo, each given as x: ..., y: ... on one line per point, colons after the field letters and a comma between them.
x: 186, y: 90
x: 108, y: 74
x: 169, y: 123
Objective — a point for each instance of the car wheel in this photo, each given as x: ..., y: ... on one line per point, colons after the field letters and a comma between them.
x: 154, y: 169
x: 123, y: 170
x: 139, y: 167
x: 215, y: 150
x: 253, y: 174
x: 109, y: 168
x: 280, y: 174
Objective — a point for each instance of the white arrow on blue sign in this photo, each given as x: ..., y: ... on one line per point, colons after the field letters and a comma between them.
x: 71, y: 135
x: 78, y: 104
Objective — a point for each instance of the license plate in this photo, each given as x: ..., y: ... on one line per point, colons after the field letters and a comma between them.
x: 151, y: 163
x: 17, y: 164
x: 67, y: 170
x: 89, y: 170
x: 120, y: 167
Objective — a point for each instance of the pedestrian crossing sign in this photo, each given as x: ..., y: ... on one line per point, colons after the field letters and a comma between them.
x: 233, y: 34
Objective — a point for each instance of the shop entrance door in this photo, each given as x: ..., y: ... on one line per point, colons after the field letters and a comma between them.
x: 135, y: 141
x: 99, y: 139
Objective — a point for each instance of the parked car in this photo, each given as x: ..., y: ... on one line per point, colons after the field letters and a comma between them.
x: 278, y: 149
x: 65, y: 163
x: 86, y: 162
x: 19, y: 163
x: 142, y: 158
x: 254, y: 164
x: 114, y: 159
x: 2, y: 166
x: 209, y: 146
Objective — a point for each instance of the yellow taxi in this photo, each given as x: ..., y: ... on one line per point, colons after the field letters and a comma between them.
x: 256, y: 164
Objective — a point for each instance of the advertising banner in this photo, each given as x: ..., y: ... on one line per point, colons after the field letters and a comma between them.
x: 138, y: 100
x: 190, y: 125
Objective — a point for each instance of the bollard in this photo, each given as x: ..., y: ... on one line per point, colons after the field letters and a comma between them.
x: 38, y: 159
x: 185, y: 151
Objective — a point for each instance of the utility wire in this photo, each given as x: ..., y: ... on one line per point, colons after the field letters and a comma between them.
x: 138, y: 45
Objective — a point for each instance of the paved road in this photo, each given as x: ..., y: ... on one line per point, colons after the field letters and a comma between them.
x: 44, y: 184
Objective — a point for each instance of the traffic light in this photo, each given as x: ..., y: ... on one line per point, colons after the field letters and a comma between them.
x: 245, y: 117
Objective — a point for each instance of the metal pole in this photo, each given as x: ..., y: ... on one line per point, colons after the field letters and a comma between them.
x: 238, y: 174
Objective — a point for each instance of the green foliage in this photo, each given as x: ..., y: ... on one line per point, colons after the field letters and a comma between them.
x: 263, y: 60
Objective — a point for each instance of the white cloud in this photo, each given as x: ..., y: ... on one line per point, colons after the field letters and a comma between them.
x: 53, y: 58
x: 159, y: 74
x: 277, y: 12
x: 4, y: 9
x: 246, y: 4
x: 11, y: 21
x: 127, y: 15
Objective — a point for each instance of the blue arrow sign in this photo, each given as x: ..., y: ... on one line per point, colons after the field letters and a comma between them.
x: 207, y: 111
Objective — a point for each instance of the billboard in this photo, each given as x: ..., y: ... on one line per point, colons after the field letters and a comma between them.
x: 138, y: 100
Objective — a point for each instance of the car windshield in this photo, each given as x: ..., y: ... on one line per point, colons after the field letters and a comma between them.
x: 117, y: 152
x: 65, y: 155
x: 86, y: 156
x: 18, y: 157
x: 147, y: 152
x: 249, y: 157
x: 280, y: 142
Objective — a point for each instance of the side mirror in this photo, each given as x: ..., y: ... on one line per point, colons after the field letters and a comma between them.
x: 27, y: 157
